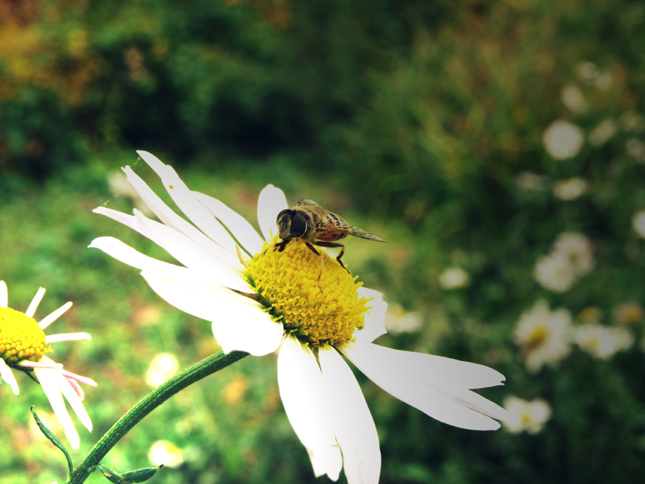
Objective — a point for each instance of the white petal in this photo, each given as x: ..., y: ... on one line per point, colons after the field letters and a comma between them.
x: 398, y: 374
x: 4, y: 295
x: 187, y: 201
x: 50, y: 318
x: 270, y: 203
x: 355, y: 430
x: 253, y: 332
x: 306, y: 404
x: 8, y: 376
x: 35, y: 302
x: 75, y: 402
x: 188, y: 252
x: 168, y: 217
x: 50, y: 384
x: 57, y: 338
x: 238, y: 322
x: 375, y: 317
x: 126, y: 254
x: 241, y: 229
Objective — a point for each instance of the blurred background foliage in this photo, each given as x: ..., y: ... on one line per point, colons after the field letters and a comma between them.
x: 423, y: 121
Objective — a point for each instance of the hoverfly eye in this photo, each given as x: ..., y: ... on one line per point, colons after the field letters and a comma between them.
x: 298, y: 225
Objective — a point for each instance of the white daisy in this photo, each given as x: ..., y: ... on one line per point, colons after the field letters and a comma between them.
x: 577, y: 248
x: 569, y: 189
x: 260, y: 300
x: 602, y: 341
x: 638, y: 223
x: 529, y: 416
x: 166, y: 453
x: 453, y: 278
x: 555, y: 272
x: 543, y: 335
x: 162, y: 367
x: 398, y: 320
x: 563, y: 139
x: 23, y: 345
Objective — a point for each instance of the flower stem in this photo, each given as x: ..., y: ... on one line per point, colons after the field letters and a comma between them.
x: 147, y: 404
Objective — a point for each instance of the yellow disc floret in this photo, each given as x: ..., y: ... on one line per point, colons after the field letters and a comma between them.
x: 20, y: 337
x: 319, y: 308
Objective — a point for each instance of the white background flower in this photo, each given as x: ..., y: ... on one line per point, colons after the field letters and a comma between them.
x: 563, y: 139
x: 529, y: 416
x: 544, y: 335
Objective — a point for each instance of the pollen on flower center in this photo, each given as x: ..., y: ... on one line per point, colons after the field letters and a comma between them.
x: 319, y: 313
x: 20, y: 337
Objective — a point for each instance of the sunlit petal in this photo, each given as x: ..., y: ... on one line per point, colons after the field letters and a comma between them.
x: 52, y: 391
x: 4, y: 295
x: 271, y: 202
x: 248, y: 330
x: 306, y: 404
x: 241, y: 229
x: 352, y: 421
x: 188, y: 203
x: 49, y: 319
x: 57, y: 338
x: 397, y: 373
x: 374, y: 319
x: 8, y: 376
x: 128, y: 255
x: 31, y: 310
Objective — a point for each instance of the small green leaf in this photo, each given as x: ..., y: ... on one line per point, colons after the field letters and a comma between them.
x: 53, y: 439
x: 109, y: 474
x: 140, y: 475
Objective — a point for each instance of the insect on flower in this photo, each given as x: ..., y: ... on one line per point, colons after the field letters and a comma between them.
x: 314, y: 225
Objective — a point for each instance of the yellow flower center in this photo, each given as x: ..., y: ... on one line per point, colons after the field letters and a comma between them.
x: 318, y: 308
x: 20, y: 337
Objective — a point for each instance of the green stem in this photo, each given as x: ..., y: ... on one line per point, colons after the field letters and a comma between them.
x: 146, y: 405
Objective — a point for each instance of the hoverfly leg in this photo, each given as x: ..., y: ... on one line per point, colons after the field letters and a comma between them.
x: 334, y: 245
x: 281, y: 245
x: 342, y: 252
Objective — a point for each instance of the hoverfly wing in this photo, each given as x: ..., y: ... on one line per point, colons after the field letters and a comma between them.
x: 305, y: 202
x: 363, y: 234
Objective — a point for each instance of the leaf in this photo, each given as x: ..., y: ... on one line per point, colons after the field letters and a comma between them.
x: 139, y: 475
x: 53, y: 439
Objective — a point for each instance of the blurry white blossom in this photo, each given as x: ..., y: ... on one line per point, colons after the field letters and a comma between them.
x: 638, y: 222
x: 591, y: 74
x: 573, y: 98
x: 586, y: 71
x: 529, y: 416
x: 628, y: 313
x: 577, y: 248
x: 570, y: 258
x: 554, y: 272
x: 453, y: 278
x: 162, y: 367
x: 532, y: 181
x: 569, y: 189
x: 543, y: 335
x: 603, y: 132
x: 164, y: 452
x: 563, y: 139
x: 398, y: 320
x: 632, y: 121
x: 602, y: 341
x: 635, y: 149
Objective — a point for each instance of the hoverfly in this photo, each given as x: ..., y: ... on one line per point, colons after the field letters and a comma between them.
x: 314, y: 225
